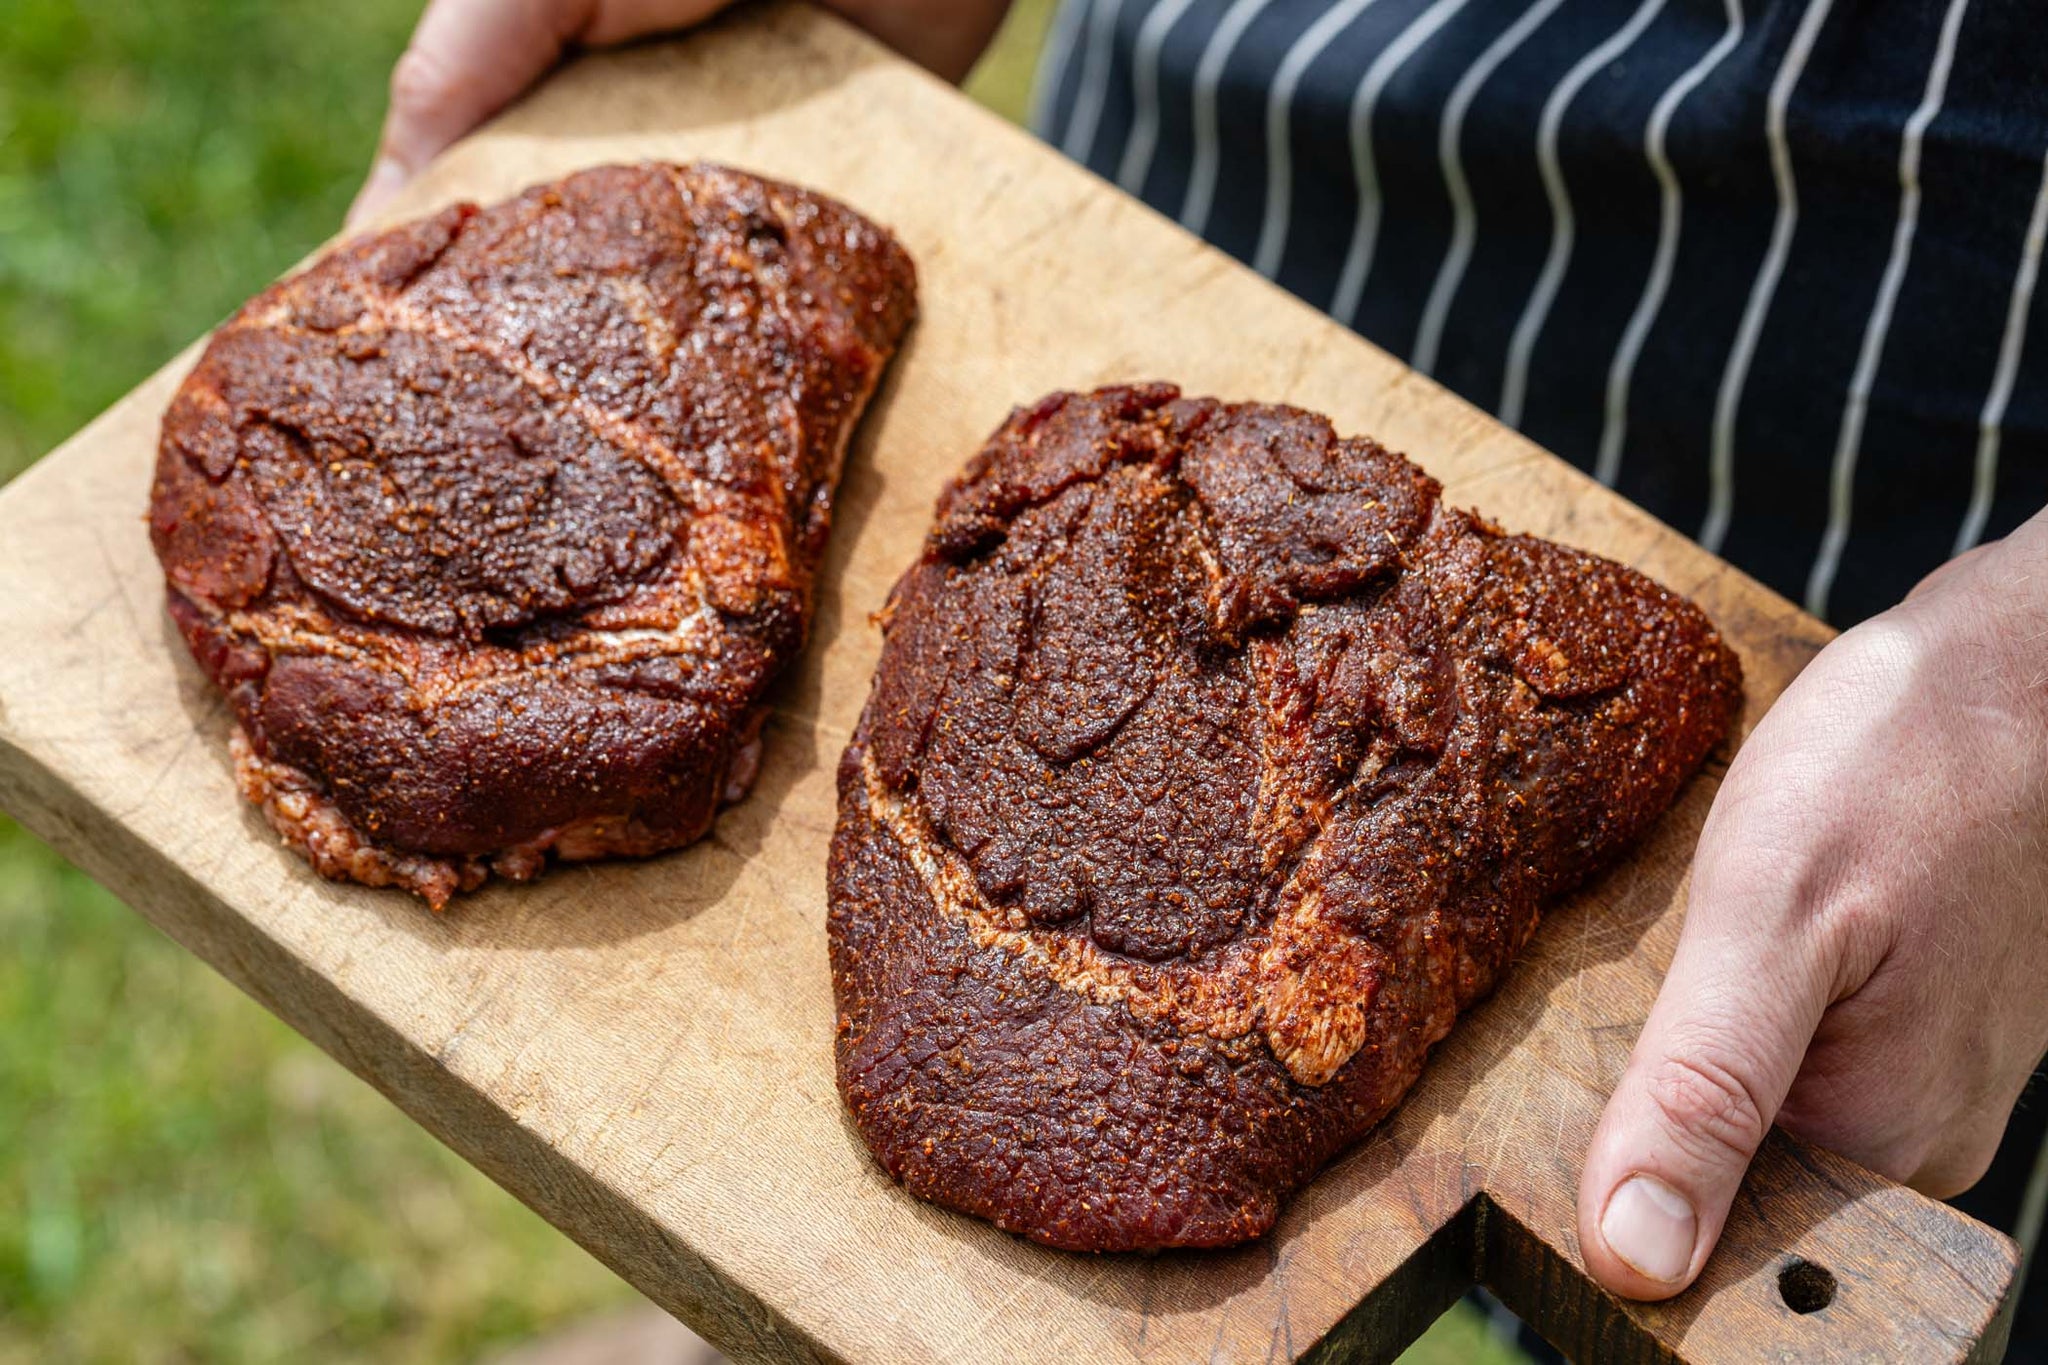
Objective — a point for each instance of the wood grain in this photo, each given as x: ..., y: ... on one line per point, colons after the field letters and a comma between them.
x: 643, y: 1052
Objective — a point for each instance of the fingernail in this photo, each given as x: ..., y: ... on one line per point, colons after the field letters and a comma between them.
x: 1649, y: 1225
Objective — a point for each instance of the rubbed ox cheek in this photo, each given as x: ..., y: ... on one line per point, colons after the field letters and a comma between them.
x: 455, y: 482
x: 1358, y: 740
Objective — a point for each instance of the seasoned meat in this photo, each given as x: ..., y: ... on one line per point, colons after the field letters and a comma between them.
x: 496, y: 527
x: 1212, y: 767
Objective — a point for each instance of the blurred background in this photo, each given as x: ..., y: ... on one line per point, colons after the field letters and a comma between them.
x: 182, y: 1177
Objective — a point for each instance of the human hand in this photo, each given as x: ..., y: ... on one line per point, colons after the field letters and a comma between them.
x: 1865, y: 952
x: 470, y: 58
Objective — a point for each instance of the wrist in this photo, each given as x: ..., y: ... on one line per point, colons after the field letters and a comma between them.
x: 1981, y: 625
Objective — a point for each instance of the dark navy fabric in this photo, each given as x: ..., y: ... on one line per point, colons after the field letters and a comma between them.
x: 1859, y: 402
x: 1766, y: 268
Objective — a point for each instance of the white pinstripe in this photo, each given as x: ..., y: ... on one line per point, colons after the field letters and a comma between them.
x: 1992, y: 422
x: 1721, y: 469
x: 1194, y: 210
x: 1464, y: 217
x: 1563, y: 222
x: 1093, y: 91
x: 1052, y: 65
x: 1145, y: 48
x: 2026, y: 1228
x: 1365, y: 233
x: 1842, y: 485
x: 1671, y: 214
x: 1279, y: 115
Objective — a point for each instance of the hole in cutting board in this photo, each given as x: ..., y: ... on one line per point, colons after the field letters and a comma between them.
x: 1806, y: 1287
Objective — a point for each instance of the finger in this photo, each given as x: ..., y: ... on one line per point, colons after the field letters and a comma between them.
x: 1718, y: 1053
x: 618, y: 21
x: 467, y: 60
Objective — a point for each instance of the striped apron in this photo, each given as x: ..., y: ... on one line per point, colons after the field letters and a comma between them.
x: 1767, y: 267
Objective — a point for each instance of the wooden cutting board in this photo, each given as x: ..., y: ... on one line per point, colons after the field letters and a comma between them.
x: 643, y: 1052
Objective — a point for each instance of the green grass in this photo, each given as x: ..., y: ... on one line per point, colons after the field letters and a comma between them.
x: 182, y: 1178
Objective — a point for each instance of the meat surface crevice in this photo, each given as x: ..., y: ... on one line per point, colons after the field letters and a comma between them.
x: 496, y: 527
x: 1212, y: 767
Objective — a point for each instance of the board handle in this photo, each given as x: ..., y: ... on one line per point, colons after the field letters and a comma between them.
x: 1820, y: 1260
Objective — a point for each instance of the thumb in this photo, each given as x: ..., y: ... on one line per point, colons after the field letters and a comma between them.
x: 467, y: 59
x: 470, y: 58
x: 1715, y: 1059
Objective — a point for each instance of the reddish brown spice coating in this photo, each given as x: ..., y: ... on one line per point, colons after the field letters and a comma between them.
x: 496, y: 527
x: 1211, y: 768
